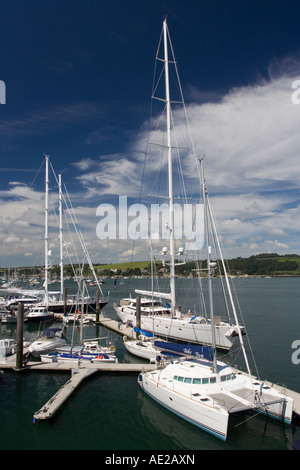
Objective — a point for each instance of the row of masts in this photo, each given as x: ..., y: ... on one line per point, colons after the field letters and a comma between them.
x: 61, y: 243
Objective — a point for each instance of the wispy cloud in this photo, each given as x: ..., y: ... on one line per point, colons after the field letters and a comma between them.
x: 44, y: 121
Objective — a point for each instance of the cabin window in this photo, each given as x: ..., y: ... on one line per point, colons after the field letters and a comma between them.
x: 188, y: 380
x: 197, y: 381
x: 226, y: 377
x: 181, y: 379
x: 212, y: 380
x: 175, y: 377
x: 205, y: 381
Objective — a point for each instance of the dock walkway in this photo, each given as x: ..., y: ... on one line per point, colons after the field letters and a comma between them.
x: 117, y: 327
x: 48, y: 410
x: 52, y: 406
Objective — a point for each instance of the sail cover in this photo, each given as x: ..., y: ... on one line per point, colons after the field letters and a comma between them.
x: 143, y: 332
x: 195, y: 350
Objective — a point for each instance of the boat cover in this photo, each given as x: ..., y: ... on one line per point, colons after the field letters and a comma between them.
x: 143, y: 332
x: 195, y: 350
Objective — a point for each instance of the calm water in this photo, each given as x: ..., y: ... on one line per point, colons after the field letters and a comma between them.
x: 110, y: 412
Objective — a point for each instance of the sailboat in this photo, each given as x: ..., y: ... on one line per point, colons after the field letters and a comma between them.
x: 205, y: 391
x: 159, y: 310
x: 55, y: 301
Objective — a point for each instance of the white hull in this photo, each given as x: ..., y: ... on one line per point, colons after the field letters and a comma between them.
x: 75, y: 359
x: 143, y: 349
x: 209, y: 406
x: 182, y: 329
x: 202, y: 416
x: 45, y: 347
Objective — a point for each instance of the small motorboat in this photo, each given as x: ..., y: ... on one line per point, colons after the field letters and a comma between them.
x: 39, y: 314
x: 47, y: 342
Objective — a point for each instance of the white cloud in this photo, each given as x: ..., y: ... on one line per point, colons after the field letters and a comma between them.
x: 114, y: 174
x: 251, y: 141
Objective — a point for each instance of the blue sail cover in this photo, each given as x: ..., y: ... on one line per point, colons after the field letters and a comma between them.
x: 143, y: 332
x: 195, y: 350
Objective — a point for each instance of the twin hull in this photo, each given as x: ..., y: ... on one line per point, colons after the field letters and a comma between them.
x: 213, y: 416
x: 205, y: 417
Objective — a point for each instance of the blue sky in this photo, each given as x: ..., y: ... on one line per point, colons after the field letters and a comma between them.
x: 78, y: 76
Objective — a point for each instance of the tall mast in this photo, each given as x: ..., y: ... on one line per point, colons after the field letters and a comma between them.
x: 61, y: 261
x: 170, y: 170
x: 46, y: 227
x: 209, y: 277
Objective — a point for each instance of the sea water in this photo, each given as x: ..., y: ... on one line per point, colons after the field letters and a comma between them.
x: 109, y: 411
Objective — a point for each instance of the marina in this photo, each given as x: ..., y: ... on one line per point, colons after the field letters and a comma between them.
x: 124, y: 376
x: 80, y: 371
x: 197, y: 379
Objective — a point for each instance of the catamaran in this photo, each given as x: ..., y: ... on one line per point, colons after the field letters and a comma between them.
x: 203, y: 390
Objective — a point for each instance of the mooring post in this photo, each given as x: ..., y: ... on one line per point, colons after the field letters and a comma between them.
x: 138, y: 312
x: 97, y: 305
x: 20, y: 328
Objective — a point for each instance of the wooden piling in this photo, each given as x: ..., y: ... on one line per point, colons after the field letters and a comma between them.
x: 138, y: 312
x: 97, y: 305
x: 20, y: 328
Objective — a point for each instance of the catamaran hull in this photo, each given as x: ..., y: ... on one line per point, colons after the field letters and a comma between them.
x: 182, y: 330
x: 211, y: 420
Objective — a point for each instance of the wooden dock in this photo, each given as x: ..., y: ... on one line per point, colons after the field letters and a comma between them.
x: 117, y: 327
x: 52, y: 406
